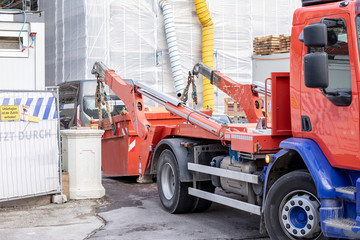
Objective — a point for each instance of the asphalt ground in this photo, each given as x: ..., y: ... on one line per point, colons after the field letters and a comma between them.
x: 70, y: 221
x: 129, y: 211
x: 134, y: 212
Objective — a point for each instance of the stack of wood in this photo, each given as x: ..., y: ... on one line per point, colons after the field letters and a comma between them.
x: 285, y: 43
x: 272, y: 44
x: 233, y: 108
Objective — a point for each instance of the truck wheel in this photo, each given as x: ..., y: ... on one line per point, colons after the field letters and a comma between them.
x: 292, y: 208
x: 173, y: 193
x: 201, y: 205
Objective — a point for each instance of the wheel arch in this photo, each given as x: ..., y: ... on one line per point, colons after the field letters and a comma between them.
x: 285, y: 161
x: 161, y: 146
x: 298, y: 153
x: 180, y: 152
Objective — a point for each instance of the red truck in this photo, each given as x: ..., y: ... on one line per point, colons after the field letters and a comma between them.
x: 300, y: 171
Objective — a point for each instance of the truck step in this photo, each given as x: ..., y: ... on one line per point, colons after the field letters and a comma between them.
x: 348, y: 193
x: 245, y: 177
x: 341, y: 227
x: 244, y: 206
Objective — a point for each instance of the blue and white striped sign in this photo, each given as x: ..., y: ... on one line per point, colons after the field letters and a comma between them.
x: 42, y: 107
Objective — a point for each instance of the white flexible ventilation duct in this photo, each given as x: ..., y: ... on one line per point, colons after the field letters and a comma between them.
x: 173, y: 47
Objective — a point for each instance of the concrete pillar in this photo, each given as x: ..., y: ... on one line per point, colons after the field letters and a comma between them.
x: 82, y: 160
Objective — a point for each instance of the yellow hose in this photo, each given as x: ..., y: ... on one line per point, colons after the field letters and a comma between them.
x: 207, y: 49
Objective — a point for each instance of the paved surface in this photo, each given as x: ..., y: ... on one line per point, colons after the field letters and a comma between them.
x: 130, y: 211
x: 136, y: 213
x: 72, y: 220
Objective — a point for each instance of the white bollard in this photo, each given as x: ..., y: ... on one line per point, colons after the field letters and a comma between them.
x: 82, y: 160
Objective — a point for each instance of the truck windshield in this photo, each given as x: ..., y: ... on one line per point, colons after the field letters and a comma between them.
x: 222, y: 117
x: 68, y: 94
x: 116, y: 106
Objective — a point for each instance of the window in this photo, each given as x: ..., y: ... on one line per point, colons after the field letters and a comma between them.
x: 357, y: 20
x: 338, y: 59
x: 9, y: 43
x: 115, y: 104
x: 339, y: 89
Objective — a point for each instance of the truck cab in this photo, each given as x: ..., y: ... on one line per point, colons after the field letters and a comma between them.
x: 328, y: 115
x: 324, y: 105
x: 77, y: 103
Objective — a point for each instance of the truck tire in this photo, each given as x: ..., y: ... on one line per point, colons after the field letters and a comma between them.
x: 201, y: 205
x: 292, y: 208
x: 173, y: 194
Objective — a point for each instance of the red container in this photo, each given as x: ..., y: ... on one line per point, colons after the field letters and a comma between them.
x: 120, y: 152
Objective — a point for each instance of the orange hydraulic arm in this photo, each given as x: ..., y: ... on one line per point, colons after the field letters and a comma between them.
x: 128, y: 93
x: 243, y: 94
x: 131, y: 94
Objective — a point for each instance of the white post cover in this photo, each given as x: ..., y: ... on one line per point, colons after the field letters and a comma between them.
x: 82, y: 159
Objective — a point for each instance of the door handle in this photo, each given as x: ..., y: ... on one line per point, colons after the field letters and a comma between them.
x: 305, y: 124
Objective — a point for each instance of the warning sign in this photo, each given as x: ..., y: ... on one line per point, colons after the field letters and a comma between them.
x: 9, y: 113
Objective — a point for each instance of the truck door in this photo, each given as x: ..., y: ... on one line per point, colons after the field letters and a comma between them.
x: 331, y: 116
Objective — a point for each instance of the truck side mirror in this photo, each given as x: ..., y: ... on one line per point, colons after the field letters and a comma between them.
x: 316, y: 70
x: 315, y: 35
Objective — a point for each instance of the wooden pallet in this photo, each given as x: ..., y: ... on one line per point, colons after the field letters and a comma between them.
x: 233, y: 108
x: 65, y: 184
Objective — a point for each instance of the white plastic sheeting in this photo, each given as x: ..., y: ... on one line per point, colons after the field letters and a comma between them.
x: 29, y: 151
x: 129, y: 37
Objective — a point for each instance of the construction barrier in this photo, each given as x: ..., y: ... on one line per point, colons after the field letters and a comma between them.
x: 29, y: 144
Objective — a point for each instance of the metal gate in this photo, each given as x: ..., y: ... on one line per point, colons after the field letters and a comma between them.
x: 30, y: 163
